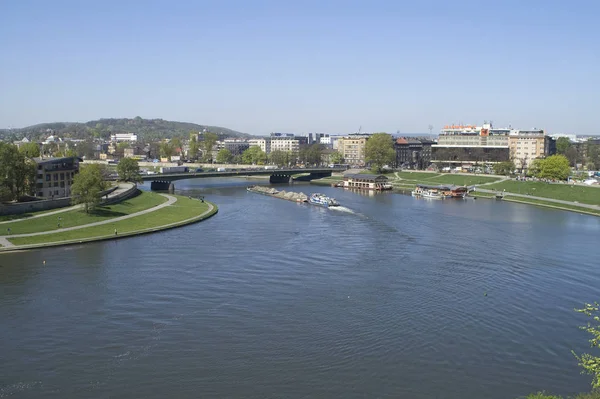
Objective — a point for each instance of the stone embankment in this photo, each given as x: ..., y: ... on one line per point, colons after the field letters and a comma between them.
x: 286, y: 195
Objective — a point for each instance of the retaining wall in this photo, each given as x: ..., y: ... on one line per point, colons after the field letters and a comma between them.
x: 34, y: 206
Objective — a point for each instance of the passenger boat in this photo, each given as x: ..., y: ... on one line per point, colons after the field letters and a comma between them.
x: 427, y: 193
x: 322, y: 200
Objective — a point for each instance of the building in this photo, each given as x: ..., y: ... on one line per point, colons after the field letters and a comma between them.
x: 319, y: 138
x: 123, y: 137
x: 366, y: 182
x: 353, y: 149
x: 55, y: 176
x: 236, y: 146
x: 263, y: 143
x: 413, y: 153
x: 527, y: 145
x: 466, y: 145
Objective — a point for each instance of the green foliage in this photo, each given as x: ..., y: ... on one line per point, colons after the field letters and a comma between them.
x: 17, y: 173
x: 87, y: 186
x: 254, y: 155
x: 554, y: 167
x: 336, y: 157
x: 504, y: 168
x: 194, y: 146
x: 166, y: 149
x: 30, y: 150
x: 590, y: 363
x: 542, y: 395
x: 146, y: 129
x: 280, y: 158
x: 311, y: 155
x: 209, y: 140
x: 593, y: 155
x: 380, y: 151
x: 129, y: 170
x: 224, y: 156
x: 562, y: 145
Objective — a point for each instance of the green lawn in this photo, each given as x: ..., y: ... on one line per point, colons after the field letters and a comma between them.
x: 550, y: 204
x: 416, y: 175
x: 181, y: 210
x: 78, y: 217
x: 463, y: 180
x: 566, y: 192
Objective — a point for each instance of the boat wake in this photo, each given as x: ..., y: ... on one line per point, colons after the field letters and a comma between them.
x: 341, y: 209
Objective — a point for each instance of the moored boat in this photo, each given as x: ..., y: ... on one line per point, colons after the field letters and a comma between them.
x: 322, y: 200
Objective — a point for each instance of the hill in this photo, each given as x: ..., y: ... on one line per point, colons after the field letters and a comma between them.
x: 146, y: 129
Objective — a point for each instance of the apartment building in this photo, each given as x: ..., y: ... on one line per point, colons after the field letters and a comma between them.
x: 353, y: 148
x: 55, y: 176
x: 263, y: 143
x: 527, y: 145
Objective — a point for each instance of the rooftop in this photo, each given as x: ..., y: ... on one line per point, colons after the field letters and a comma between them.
x: 55, y: 160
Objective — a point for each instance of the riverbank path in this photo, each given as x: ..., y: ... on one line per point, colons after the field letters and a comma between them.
x: 170, y: 200
x: 120, y: 189
x: 572, y: 203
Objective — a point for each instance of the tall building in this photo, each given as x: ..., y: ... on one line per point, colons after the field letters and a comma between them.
x: 353, y: 148
x: 55, y: 176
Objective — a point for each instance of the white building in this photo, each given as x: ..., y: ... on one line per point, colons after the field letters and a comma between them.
x: 264, y: 144
x: 123, y: 137
x: 285, y: 144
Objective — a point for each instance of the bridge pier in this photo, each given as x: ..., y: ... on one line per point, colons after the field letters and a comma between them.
x: 280, y: 178
x: 162, y: 186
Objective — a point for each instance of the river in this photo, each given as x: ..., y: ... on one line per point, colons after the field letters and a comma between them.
x: 394, y: 298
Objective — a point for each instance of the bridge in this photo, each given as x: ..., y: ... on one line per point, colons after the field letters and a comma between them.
x: 163, y: 181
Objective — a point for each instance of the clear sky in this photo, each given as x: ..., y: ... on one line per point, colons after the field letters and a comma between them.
x: 303, y: 66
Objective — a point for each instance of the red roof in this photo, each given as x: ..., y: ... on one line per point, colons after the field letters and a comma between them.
x: 401, y: 140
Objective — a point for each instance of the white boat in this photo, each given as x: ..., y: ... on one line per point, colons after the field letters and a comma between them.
x: 322, y: 200
x: 427, y: 193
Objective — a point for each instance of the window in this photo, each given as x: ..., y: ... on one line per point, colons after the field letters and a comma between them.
x: 62, y: 184
x: 48, y: 177
x: 62, y: 176
x: 56, y: 177
x: 55, y: 184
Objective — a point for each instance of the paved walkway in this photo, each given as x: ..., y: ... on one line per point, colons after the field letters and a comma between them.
x: 579, y: 204
x: 121, y: 188
x: 170, y: 200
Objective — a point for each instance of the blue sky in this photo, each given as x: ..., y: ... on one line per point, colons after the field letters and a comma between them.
x: 303, y: 66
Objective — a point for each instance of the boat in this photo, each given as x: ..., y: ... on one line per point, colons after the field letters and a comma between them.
x: 271, y: 192
x: 322, y: 200
x: 424, y: 192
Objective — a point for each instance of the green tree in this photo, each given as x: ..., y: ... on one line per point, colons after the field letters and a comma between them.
x: 194, y: 146
x: 336, y: 157
x: 555, y: 167
x: 311, y: 155
x: 166, y: 149
x: 562, y: 145
x: 590, y: 363
x: 224, y: 156
x: 30, y: 150
x: 254, y: 155
x: 380, y: 151
x: 593, y: 155
x: 87, y: 186
x: 279, y: 157
x: 209, y: 140
x: 17, y: 173
x: 572, y: 155
x: 504, y: 168
x: 129, y: 170
x: 176, y: 143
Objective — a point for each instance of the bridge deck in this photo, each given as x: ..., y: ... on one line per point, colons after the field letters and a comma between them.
x: 228, y: 173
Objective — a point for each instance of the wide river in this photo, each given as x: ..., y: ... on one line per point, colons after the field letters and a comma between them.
x: 393, y: 297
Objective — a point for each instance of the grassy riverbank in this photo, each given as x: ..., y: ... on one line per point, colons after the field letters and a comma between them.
x: 78, y: 217
x: 183, y: 211
x: 565, y: 192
